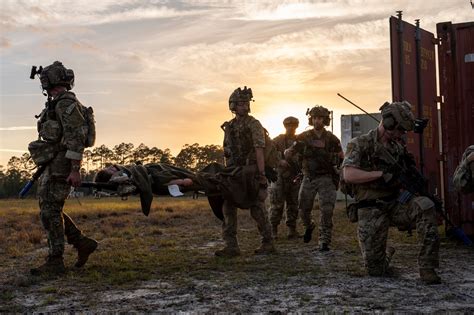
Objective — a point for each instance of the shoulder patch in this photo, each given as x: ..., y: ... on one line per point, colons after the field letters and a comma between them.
x: 70, y: 108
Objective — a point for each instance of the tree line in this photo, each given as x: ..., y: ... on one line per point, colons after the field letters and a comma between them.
x: 192, y: 156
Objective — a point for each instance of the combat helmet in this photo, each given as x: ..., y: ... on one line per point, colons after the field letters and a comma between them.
x: 56, y: 75
x: 290, y: 120
x: 318, y: 111
x: 397, y: 115
x: 240, y: 95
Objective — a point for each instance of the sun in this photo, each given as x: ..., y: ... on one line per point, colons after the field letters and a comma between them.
x: 272, y: 117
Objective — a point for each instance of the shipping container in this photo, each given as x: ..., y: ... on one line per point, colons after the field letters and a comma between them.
x: 413, y: 65
x: 456, y: 83
x: 355, y: 125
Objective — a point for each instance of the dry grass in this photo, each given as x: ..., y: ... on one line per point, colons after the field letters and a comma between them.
x: 176, y: 242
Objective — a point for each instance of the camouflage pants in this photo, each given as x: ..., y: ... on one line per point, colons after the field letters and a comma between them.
x: 284, y: 190
x: 52, y: 195
x: 373, y: 227
x: 229, y: 225
x: 323, y: 186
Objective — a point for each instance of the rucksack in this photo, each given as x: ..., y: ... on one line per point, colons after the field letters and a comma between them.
x: 89, y: 125
x: 271, y: 153
x: 89, y: 120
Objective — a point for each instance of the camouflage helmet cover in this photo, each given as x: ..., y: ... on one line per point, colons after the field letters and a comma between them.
x: 57, y: 75
x: 398, y: 115
x: 318, y: 111
x: 288, y: 121
x: 240, y: 95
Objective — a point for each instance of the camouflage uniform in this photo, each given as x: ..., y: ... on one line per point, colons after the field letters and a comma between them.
x: 320, y: 156
x: 241, y: 139
x: 284, y: 189
x: 53, y: 188
x: 463, y: 176
x: 379, y: 208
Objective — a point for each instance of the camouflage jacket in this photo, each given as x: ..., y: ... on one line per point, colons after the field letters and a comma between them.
x: 62, y: 122
x: 364, y: 152
x: 319, y: 154
x: 283, y: 142
x: 241, y: 137
x: 463, y: 176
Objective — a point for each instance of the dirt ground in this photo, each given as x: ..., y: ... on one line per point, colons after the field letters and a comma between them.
x: 165, y: 263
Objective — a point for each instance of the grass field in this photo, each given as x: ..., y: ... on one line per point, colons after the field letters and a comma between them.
x: 165, y: 262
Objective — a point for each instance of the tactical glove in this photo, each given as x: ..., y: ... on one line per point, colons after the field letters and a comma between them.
x: 271, y: 174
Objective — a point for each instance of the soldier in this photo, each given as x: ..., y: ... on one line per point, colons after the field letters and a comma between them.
x: 63, y: 134
x: 321, y: 154
x: 286, y: 188
x: 463, y: 176
x: 368, y: 167
x: 244, y: 143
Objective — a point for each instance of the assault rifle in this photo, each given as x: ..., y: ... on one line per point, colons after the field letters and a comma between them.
x: 414, y: 183
x: 27, y: 187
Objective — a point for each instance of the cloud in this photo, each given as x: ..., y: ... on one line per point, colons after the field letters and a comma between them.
x: 86, y: 12
x: 5, y: 43
x: 17, y: 128
x: 13, y: 150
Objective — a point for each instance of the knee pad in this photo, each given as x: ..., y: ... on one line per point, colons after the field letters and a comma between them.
x: 424, y: 203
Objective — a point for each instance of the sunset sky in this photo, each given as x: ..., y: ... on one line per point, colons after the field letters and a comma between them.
x: 161, y: 72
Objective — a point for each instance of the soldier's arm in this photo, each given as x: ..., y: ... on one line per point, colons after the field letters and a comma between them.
x: 351, y: 171
x: 296, y: 147
x: 74, y: 138
x: 259, y: 154
x: 258, y: 138
x: 354, y: 175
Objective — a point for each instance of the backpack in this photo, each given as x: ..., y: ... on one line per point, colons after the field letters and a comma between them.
x: 88, y: 127
x: 271, y: 154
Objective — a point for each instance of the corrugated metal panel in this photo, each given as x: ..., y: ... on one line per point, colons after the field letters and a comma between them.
x: 456, y: 75
x: 355, y: 125
x: 404, y: 87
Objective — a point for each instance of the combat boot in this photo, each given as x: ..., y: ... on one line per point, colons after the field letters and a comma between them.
x: 429, y: 276
x: 85, y: 246
x: 228, y: 252
x: 265, y: 248
x: 308, y: 233
x: 53, y: 266
x: 324, y: 247
x: 388, y: 255
x: 292, y: 233
x: 275, y: 231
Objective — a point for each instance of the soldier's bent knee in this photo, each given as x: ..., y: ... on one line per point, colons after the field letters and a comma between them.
x: 424, y: 203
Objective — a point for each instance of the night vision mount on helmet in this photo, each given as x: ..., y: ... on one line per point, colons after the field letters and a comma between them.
x: 240, y: 95
x: 318, y: 111
x: 54, y: 75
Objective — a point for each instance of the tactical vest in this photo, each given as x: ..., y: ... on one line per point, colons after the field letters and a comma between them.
x: 238, y: 144
x: 50, y: 133
x: 371, y: 159
x: 239, y: 149
x: 49, y: 128
x: 320, y: 155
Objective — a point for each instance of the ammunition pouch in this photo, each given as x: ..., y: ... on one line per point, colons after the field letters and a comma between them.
x: 351, y: 211
x: 42, y: 152
x: 50, y: 130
